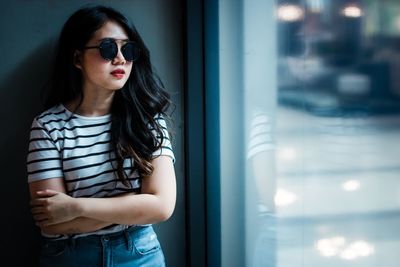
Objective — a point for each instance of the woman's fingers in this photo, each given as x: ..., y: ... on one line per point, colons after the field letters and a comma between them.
x: 38, y: 202
x: 40, y: 217
x: 56, y: 208
x: 43, y: 197
x: 37, y: 210
x: 42, y: 223
x: 47, y: 193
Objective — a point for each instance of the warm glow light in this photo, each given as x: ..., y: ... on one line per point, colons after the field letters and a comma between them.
x: 287, y: 153
x: 352, y: 11
x: 351, y: 185
x: 290, y: 13
x: 284, y: 197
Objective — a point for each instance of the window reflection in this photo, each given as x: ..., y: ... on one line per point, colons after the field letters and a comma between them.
x: 339, y: 58
x: 325, y: 159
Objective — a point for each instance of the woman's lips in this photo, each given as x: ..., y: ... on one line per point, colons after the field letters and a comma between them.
x: 118, y: 73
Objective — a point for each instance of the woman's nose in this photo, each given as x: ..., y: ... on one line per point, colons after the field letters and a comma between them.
x: 119, y: 58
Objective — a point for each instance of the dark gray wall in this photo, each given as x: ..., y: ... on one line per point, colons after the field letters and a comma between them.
x: 28, y: 32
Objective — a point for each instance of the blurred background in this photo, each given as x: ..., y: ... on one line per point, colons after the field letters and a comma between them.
x: 322, y: 132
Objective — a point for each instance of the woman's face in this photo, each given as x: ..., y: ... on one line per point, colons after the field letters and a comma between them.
x: 98, y: 73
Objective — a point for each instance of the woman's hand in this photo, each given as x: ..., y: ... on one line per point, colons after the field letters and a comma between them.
x: 52, y: 207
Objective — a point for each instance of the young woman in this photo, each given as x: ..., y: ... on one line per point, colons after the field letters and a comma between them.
x: 100, y: 163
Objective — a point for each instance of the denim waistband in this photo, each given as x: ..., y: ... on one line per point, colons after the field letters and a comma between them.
x: 117, y: 237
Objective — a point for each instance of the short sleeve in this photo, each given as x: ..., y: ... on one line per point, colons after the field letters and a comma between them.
x: 166, y: 146
x: 43, y: 159
x: 261, y: 134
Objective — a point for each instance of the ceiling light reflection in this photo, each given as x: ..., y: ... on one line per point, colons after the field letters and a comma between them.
x: 337, y: 246
x: 357, y: 249
x: 287, y: 153
x: 363, y: 248
x: 290, y: 13
x: 351, y: 185
x: 352, y: 11
x: 348, y: 254
x: 284, y: 197
x: 329, y: 247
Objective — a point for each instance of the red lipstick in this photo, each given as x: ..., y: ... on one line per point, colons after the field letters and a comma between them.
x: 118, y: 73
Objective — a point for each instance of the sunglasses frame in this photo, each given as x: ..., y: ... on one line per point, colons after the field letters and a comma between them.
x: 113, y: 41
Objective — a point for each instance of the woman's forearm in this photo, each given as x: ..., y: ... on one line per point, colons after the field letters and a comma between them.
x: 131, y: 209
x: 76, y: 226
x: 155, y: 204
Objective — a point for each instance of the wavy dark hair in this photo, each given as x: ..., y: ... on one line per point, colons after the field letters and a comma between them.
x: 135, y: 106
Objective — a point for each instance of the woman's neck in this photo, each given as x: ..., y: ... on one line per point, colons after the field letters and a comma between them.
x: 93, y: 104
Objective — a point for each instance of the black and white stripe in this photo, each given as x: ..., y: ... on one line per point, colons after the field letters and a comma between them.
x: 78, y: 149
x: 260, y: 139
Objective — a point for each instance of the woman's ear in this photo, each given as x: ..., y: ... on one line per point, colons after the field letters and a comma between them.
x: 77, y: 59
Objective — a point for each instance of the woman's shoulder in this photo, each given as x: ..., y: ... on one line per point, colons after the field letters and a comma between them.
x: 54, y: 113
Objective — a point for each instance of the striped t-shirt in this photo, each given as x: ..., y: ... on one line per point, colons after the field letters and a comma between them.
x: 261, y: 140
x: 78, y: 148
x: 261, y: 135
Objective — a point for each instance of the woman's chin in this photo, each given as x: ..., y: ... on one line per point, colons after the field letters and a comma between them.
x: 116, y: 87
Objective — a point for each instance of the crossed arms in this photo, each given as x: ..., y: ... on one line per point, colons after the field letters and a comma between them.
x: 57, y: 213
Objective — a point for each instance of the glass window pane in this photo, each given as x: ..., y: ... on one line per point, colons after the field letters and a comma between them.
x: 321, y: 101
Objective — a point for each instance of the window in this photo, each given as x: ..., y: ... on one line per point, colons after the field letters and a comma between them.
x: 308, y: 126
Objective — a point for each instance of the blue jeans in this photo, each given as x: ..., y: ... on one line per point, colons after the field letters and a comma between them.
x: 136, y: 246
x: 266, y: 244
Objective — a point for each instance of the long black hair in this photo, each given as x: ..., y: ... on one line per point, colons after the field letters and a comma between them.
x: 135, y: 131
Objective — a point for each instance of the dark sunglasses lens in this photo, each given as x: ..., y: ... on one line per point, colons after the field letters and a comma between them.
x: 108, y: 50
x: 130, y: 52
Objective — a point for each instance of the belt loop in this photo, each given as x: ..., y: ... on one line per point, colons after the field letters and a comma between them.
x: 128, y: 239
x: 71, y: 241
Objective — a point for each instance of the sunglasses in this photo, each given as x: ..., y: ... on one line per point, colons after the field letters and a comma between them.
x: 109, y: 49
